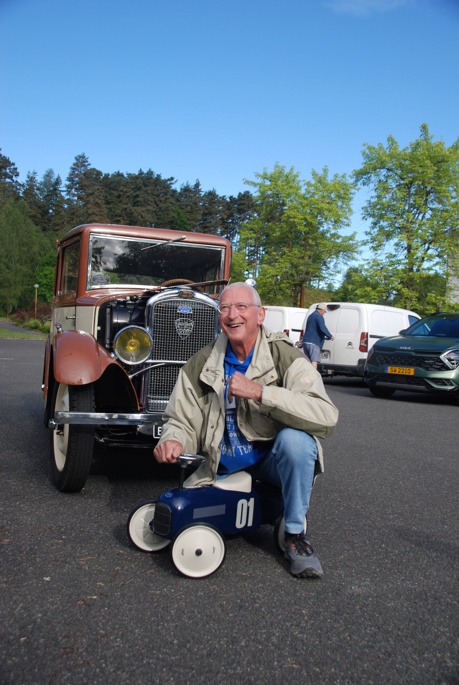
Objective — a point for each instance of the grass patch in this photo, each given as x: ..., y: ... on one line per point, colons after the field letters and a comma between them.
x: 20, y: 334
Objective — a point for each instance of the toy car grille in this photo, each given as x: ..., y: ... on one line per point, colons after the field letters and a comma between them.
x: 162, y: 520
x: 429, y: 363
x: 179, y: 327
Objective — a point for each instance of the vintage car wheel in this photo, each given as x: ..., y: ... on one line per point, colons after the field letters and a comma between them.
x: 279, y: 531
x: 72, y: 446
x: 198, y: 550
x: 139, y: 531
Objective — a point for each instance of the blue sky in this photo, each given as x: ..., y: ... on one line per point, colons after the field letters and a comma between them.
x: 218, y: 90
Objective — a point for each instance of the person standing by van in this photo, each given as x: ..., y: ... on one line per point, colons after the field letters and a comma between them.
x: 315, y: 334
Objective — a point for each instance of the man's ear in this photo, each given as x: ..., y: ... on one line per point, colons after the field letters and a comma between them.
x: 261, y: 315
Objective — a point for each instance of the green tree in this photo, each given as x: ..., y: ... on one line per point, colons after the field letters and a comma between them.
x: 413, y: 216
x: 21, y: 247
x: 31, y: 196
x: 45, y: 276
x: 75, y: 190
x: 293, y: 241
x: 190, y: 202
x: 10, y: 187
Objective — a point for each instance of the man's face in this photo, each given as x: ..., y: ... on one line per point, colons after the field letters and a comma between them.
x: 241, y: 327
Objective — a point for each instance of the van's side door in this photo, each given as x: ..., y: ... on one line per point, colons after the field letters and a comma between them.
x: 346, y: 326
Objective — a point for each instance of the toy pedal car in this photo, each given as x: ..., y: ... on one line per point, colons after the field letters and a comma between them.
x: 194, y: 520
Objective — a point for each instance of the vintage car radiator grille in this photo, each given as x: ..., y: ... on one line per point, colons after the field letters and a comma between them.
x: 179, y: 328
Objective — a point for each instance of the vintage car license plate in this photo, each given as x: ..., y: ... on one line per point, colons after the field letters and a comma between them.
x: 400, y: 370
x: 157, y: 430
x: 324, y: 354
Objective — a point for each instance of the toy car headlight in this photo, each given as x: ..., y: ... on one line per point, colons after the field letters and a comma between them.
x: 132, y: 345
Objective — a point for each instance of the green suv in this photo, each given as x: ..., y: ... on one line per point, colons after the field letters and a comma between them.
x: 424, y: 357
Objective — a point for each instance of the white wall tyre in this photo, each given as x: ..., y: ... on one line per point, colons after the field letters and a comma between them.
x: 279, y: 532
x: 198, y: 551
x: 72, y: 445
x: 139, y: 531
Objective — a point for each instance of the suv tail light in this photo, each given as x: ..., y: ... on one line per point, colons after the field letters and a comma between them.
x: 363, y: 347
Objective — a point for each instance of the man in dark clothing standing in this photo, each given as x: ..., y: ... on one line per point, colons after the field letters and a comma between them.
x: 315, y: 334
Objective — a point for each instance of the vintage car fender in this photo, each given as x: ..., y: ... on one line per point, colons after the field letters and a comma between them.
x: 78, y: 359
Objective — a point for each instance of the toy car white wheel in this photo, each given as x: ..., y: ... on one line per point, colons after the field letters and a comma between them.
x: 139, y: 531
x: 198, y: 550
x: 279, y: 532
x: 72, y: 445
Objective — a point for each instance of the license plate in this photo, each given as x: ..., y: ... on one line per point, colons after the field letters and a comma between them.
x: 325, y: 354
x: 157, y: 430
x: 400, y: 370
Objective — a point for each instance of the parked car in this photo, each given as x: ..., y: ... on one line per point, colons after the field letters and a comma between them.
x: 355, y: 327
x: 425, y: 357
x: 130, y: 306
x: 286, y: 319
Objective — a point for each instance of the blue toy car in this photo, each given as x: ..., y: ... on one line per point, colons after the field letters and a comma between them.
x: 193, y: 521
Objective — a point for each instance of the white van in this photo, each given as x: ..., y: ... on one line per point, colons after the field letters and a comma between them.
x: 286, y: 319
x: 356, y: 327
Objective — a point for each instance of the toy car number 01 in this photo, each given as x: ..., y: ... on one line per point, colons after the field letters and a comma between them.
x: 244, y: 513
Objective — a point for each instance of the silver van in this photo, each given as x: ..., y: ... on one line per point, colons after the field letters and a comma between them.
x: 356, y: 326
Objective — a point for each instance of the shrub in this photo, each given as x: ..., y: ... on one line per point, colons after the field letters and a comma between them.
x: 35, y: 324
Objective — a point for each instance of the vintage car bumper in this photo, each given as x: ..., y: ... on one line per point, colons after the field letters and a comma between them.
x: 97, y: 418
x: 144, y: 421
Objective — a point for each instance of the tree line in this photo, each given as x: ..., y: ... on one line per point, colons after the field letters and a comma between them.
x: 290, y: 234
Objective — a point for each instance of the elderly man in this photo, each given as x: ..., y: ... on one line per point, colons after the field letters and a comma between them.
x: 251, y: 401
x: 315, y: 334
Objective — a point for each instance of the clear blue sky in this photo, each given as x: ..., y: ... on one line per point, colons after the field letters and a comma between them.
x: 217, y: 90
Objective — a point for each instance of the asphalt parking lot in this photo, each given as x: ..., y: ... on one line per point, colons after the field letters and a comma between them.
x: 81, y: 605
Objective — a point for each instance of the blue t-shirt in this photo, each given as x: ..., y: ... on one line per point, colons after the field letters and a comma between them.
x: 237, y: 453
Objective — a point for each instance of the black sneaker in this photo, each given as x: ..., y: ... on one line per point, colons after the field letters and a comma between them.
x: 304, y: 563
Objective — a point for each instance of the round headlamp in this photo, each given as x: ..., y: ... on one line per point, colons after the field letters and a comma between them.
x: 132, y: 345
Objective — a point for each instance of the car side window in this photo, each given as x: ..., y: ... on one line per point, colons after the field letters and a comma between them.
x: 69, y: 272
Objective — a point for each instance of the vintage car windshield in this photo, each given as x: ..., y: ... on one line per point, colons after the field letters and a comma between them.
x: 116, y: 261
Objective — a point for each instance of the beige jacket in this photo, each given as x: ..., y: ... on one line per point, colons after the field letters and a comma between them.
x: 293, y: 396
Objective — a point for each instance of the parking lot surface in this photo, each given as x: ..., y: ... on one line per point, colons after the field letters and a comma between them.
x: 81, y: 605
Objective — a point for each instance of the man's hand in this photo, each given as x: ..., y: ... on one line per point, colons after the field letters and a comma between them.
x: 168, y: 451
x: 240, y: 386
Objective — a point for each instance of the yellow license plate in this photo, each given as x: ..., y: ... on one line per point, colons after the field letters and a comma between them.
x: 400, y: 370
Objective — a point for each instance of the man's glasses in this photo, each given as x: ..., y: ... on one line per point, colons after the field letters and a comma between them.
x: 240, y: 307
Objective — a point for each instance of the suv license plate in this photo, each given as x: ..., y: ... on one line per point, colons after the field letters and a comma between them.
x: 400, y: 370
x: 157, y: 430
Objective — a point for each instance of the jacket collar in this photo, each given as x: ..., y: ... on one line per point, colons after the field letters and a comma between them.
x: 262, y: 366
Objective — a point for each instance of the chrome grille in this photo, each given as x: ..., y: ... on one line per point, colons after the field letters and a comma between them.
x: 179, y: 327
x: 428, y: 363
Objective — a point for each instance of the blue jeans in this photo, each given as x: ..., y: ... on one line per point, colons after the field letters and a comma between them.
x: 290, y: 465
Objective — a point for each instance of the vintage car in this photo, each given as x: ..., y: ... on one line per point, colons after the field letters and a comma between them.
x: 130, y: 306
